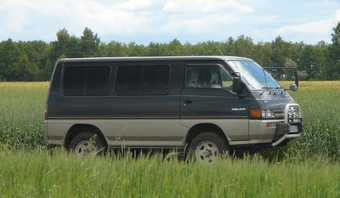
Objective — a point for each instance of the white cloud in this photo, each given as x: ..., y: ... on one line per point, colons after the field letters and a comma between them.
x: 336, y: 16
x: 146, y: 20
x: 311, y: 30
x: 131, y: 5
x: 205, y: 6
x: 316, y: 28
x: 209, y: 24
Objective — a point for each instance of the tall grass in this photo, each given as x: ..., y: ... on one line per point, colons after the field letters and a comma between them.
x: 22, y: 108
x: 320, y: 104
x: 39, y: 174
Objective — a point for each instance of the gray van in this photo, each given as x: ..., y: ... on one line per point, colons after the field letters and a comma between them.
x: 206, y: 105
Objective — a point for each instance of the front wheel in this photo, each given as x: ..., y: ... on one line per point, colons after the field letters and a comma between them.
x: 207, y: 147
x: 85, y: 143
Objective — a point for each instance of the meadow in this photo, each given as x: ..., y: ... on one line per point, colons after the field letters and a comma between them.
x: 307, y: 168
x: 320, y: 104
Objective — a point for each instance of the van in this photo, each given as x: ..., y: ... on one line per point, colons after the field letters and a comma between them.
x: 205, y: 105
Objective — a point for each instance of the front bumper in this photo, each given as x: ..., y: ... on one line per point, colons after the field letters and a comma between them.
x: 286, y: 133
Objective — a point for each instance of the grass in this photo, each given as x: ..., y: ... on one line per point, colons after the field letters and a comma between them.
x: 39, y: 174
x: 320, y: 104
x: 307, y: 168
x: 22, y: 102
x: 22, y: 108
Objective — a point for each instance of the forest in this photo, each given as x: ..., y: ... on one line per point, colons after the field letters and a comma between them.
x: 34, y: 60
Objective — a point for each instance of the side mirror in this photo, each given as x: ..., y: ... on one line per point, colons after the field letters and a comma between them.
x: 293, y: 87
x: 237, y: 85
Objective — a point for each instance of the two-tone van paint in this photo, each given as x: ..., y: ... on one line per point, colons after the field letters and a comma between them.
x: 200, y: 104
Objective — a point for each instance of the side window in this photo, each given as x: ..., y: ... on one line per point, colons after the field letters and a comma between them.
x: 207, y: 76
x: 97, y: 81
x: 74, y: 80
x: 226, y: 78
x: 156, y: 79
x: 86, y: 81
x: 128, y: 79
x: 143, y: 79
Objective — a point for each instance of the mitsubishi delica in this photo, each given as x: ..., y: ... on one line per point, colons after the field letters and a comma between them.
x: 202, y: 105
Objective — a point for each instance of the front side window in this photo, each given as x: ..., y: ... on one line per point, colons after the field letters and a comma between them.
x: 207, y: 76
x: 86, y: 80
x: 143, y: 79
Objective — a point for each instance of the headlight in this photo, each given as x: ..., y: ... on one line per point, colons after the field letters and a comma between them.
x: 267, y: 114
x: 293, y: 113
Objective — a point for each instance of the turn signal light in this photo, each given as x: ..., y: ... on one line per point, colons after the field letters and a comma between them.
x: 255, y: 113
x: 45, y: 114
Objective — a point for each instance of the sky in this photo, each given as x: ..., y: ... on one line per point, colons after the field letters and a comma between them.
x: 161, y: 21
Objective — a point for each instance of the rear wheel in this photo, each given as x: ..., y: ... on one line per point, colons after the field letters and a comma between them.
x: 85, y: 143
x: 207, y: 147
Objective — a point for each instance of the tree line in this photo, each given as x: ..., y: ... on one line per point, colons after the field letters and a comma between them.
x: 34, y: 60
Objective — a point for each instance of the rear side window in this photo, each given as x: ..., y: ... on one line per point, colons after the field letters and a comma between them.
x: 86, y: 80
x: 143, y: 79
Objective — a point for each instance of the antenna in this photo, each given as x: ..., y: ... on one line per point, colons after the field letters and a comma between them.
x: 219, y: 50
x: 265, y: 77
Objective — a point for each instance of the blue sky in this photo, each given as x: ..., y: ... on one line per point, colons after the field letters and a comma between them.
x: 145, y: 21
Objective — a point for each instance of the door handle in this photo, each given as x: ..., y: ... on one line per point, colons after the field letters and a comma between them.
x: 187, y: 101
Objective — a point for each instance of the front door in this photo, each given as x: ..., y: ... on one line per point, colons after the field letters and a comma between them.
x: 207, y: 98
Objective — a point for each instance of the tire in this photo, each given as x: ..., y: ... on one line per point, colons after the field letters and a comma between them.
x: 86, y: 143
x: 207, y: 147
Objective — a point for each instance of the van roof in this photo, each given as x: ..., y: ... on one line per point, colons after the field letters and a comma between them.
x: 154, y: 58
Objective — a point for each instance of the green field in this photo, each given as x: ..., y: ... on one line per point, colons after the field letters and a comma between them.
x: 307, y: 168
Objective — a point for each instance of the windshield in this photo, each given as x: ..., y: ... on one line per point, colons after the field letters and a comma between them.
x: 254, y: 75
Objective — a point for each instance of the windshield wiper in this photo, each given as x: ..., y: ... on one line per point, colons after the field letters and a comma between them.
x: 270, y: 91
x: 266, y: 88
x: 277, y: 90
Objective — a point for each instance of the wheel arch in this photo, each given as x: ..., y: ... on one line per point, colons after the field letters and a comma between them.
x: 204, y: 127
x: 79, y: 128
